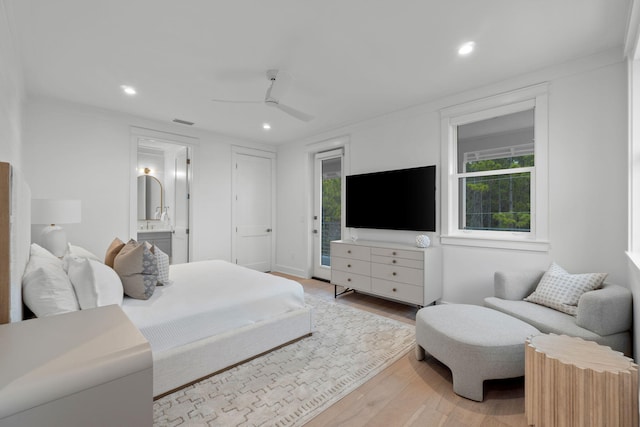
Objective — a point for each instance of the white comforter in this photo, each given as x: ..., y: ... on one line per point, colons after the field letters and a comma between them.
x: 208, y: 298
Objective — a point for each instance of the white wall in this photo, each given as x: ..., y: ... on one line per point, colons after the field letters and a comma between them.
x: 79, y: 152
x: 293, y: 207
x: 11, y: 94
x: 587, y: 144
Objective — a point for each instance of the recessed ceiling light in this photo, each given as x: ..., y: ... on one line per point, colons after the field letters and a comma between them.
x: 466, y: 48
x: 128, y: 90
x: 266, y: 126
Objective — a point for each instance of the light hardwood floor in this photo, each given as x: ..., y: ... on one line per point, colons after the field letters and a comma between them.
x: 413, y: 393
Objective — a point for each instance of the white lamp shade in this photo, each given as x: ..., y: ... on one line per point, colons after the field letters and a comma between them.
x: 53, y: 211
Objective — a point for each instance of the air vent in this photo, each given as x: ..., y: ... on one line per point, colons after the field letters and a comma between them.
x: 183, y: 122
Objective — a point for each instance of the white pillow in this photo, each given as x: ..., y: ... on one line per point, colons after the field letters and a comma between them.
x: 46, y: 289
x: 163, y: 266
x: 561, y: 291
x: 79, y: 252
x: 96, y: 284
x: 40, y: 257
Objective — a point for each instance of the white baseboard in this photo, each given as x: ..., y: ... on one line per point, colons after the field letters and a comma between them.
x: 290, y: 270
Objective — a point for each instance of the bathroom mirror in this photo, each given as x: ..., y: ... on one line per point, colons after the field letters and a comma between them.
x: 150, y: 198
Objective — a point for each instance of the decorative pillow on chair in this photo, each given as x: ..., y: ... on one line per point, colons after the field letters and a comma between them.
x: 138, y: 269
x: 95, y: 283
x: 46, y: 288
x: 112, y: 251
x: 561, y: 291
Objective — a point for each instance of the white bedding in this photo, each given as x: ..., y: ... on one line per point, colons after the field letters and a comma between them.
x: 208, y: 298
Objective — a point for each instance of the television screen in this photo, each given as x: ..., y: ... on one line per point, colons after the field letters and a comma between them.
x: 402, y: 199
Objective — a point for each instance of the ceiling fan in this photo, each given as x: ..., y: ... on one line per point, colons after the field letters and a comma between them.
x: 280, y: 82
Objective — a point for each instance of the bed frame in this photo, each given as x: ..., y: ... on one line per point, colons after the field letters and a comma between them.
x: 176, y: 368
x: 172, y: 369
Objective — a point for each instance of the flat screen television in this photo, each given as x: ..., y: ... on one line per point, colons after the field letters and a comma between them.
x: 403, y: 199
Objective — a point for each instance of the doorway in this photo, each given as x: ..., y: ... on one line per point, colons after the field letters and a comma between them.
x: 327, y: 217
x: 167, y: 159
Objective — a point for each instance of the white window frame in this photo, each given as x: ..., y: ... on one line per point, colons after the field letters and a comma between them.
x: 535, y: 97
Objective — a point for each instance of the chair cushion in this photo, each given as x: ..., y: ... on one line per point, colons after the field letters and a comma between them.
x: 546, y: 319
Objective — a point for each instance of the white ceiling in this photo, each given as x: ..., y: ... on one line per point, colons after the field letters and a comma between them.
x: 349, y: 59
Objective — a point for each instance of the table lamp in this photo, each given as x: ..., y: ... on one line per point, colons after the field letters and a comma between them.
x: 53, y: 212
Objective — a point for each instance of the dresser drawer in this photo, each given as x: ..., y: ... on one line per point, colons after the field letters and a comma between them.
x: 394, y: 273
x: 399, y: 291
x: 350, y: 280
x: 355, y: 266
x: 402, y: 262
x: 351, y: 251
x: 398, y: 253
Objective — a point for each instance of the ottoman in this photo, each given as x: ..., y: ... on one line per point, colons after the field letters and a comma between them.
x: 476, y: 343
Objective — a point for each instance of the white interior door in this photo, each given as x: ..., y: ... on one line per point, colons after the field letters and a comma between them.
x: 180, y: 242
x: 327, y: 218
x: 252, y: 211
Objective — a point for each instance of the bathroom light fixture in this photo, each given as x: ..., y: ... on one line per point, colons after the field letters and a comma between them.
x: 129, y: 90
x: 466, y: 48
x: 52, y: 212
x: 266, y: 126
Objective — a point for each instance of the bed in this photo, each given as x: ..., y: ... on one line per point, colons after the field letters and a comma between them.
x: 212, y: 316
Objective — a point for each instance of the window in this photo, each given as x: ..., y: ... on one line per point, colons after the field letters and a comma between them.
x: 495, y: 190
x: 495, y: 164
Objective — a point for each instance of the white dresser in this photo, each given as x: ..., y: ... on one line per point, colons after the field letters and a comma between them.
x: 400, y: 272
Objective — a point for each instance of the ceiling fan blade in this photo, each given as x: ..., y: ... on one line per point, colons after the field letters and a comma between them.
x: 279, y: 85
x: 230, y: 101
x: 292, y: 111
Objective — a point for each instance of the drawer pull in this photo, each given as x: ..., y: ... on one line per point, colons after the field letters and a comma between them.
x: 348, y: 265
x: 349, y: 279
x: 393, y: 253
x: 394, y: 261
x: 349, y: 251
x: 394, y: 289
x: 394, y: 273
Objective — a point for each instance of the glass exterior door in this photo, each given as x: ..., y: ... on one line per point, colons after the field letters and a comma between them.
x: 328, y: 209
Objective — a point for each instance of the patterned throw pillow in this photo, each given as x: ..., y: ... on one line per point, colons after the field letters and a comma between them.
x: 561, y: 291
x: 138, y: 269
x: 163, y: 266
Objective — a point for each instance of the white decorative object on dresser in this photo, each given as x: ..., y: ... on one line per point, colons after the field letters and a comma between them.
x: 390, y: 270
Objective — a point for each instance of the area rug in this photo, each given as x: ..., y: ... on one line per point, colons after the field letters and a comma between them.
x: 291, y: 385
